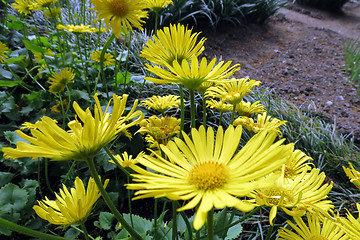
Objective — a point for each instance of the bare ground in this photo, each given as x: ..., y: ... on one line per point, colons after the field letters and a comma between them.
x: 299, y: 53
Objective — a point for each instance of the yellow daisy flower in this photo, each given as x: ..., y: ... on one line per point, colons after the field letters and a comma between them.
x: 57, y: 108
x: 317, y: 228
x: 157, y: 5
x: 58, y: 81
x: 83, y: 141
x: 108, y: 58
x: 162, y: 103
x: 159, y: 130
x: 305, y: 193
x: 176, y: 42
x: 52, y: 12
x: 296, y: 164
x: 204, y: 86
x: 23, y: 6
x: 353, y: 175
x: 40, y: 57
x: 219, y: 105
x: 4, y: 50
x: 232, y: 92
x: 263, y: 122
x: 192, y: 75
x: 126, y: 160
x: 77, y: 28
x: 120, y: 14
x: 350, y: 224
x: 207, y: 171
x: 71, y: 207
x: 41, y: 4
x: 246, y: 108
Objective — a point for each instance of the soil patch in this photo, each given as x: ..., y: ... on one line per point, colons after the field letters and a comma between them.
x: 299, y: 53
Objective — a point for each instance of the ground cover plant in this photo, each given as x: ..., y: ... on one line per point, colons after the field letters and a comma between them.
x: 114, y: 116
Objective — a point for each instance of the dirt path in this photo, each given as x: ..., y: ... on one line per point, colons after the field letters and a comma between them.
x: 299, y: 53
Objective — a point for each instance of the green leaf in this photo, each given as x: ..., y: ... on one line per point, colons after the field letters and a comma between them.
x: 8, y: 75
x: 72, y: 233
x: 69, y: 58
x: 33, y: 48
x: 5, y: 177
x: 141, y: 225
x: 123, y: 77
x: 105, y: 220
x: 77, y: 94
x: 12, y: 198
x: 13, y: 137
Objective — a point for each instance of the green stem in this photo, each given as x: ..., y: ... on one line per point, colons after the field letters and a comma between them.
x: 85, y: 232
x: 174, y: 222
x: 233, y: 114
x: 129, y: 203
x: 271, y: 229
x: 27, y: 231
x: 186, y: 220
x: 221, y: 116
x: 116, y: 163
x: 106, y: 46
x: 109, y: 202
x: 182, y: 107
x: 155, y: 217
x: 47, y: 176
x: 192, y: 107
x: 210, y: 225
x: 204, y: 112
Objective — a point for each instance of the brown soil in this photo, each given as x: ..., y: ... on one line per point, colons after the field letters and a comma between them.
x: 299, y: 53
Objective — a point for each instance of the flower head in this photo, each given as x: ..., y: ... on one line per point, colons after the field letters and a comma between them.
x: 126, y: 160
x: 246, y: 108
x: 157, y: 5
x: 305, y: 193
x: 162, y: 103
x: 3, y: 52
x: 353, y: 175
x: 191, y: 74
x: 232, y: 92
x: 108, y: 58
x: 120, y: 14
x: 58, y: 108
x: 58, y: 81
x: 52, y: 12
x: 350, y: 224
x: 219, y: 105
x: 41, y: 4
x: 159, y: 130
x: 175, y: 42
x: 297, y: 162
x: 23, y: 6
x: 77, y: 28
x: 263, y: 122
x: 207, y: 170
x: 321, y: 229
x: 83, y: 141
x: 71, y: 207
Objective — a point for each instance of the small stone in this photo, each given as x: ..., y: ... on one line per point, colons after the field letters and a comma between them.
x: 329, y: 103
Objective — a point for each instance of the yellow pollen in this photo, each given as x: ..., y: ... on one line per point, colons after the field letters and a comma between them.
x: 208, y: 175
x: 118, y: 8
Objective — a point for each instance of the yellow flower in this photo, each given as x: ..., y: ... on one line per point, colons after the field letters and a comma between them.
x: 304, y: 193
x: 207, y: 170
x: 120, y: 14
x: 108, y: 58
x: 246, y: 108
x: 192, y: 75
x: 317, y: 229
x: 40, y: 57
x: 296, y: 164
x: 41, y: 4
x: 157, y: 5
x: 58, y: 107
x: 71, y: 207
x: 353, y: 175
x: 219, y: 105
x: 23, y: 6
x: 58, y: 81
x: 162, y: 103
x: 263, y: 122
x: 159, y: 130
x: 232, y: 92
x: 127, y: 160
x: 3, y: 52
x: 83, y: 141
x: 77, y: 28
x: 176, y: 42
x: 350, y: 225
x: 52, y: 12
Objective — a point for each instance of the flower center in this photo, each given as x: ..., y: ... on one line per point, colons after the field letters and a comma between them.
x: 275, y: 196
x: 118, y: 8
x: 317, y: 237
x: 208, y: 175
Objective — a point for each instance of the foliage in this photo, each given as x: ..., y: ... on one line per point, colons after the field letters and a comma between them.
x: 352, y: 60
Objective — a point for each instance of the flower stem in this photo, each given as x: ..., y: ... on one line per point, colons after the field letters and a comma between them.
x: 174, y: 225
x: 27, y: 231
x: 192, y: 108
x: 106, y: 46
x: 204, y: 112
x: 109, y: 202
x: 85, y: 232
x: 210, y: 225
x: 182, y: 107
x: 233, y: 114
